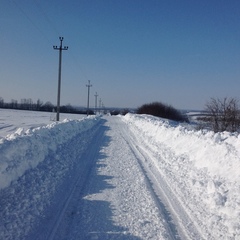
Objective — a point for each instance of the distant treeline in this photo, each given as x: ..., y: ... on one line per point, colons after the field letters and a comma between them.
x: 28, y: 104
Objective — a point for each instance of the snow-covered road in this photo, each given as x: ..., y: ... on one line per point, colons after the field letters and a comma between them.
x: 115, y: 199
x: 107, y: 179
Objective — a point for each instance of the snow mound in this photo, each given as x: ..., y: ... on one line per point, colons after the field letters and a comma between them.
x: 201, y: 166
x: 24, y: 150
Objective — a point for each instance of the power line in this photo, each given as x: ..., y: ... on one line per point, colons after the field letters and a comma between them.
x: 46, y: 17
x: 31, y: 21
x: 43, y: 33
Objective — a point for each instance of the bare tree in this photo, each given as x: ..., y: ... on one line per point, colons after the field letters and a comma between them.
x: 223, y: 114
x: 1, y: 102
x: 14, y: 104
x: 39, y: 104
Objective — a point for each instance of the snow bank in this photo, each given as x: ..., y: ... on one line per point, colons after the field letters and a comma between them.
x: 24, y: 150
x: 11, y: 119
x: 201, y: 166
x: 219, y: 153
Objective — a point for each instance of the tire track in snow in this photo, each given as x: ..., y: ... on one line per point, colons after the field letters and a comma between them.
x: 164, y: 213
x: 60, y: 227
x: 178, y: 222
x: 133, y: 207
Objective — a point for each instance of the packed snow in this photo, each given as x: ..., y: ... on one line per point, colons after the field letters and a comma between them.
x: 116, y: 177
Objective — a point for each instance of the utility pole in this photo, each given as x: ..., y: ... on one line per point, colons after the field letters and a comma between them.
x: 59, y: 73
x: 88, y: 86
x: 96, y: 95
x: 100, y: 105
x: 102, y: 108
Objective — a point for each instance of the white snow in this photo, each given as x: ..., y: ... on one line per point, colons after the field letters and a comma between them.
x: 131, y: 177
x: 11, y: 120
x: 202, y: 167
x: 24, y: 150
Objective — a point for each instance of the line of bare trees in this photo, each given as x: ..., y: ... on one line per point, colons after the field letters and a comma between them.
x: 28, y: 104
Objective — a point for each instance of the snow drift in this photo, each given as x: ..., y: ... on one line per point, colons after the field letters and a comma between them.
x: 201, y: 166
x: 24, y: 150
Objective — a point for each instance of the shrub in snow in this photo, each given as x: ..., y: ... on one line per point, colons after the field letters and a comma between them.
x: 161, y: 110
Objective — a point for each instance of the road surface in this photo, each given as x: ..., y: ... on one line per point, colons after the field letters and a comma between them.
x: 113, y: 189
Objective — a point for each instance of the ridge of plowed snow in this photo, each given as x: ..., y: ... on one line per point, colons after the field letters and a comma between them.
x: 202, y: 167
x: 24, y: 150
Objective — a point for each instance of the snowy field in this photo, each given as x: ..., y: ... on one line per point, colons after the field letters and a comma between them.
x: 11, y: 120
x: 116, y: 177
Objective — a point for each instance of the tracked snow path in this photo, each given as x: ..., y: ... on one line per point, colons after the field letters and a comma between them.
x: 102, y: 184
x: 110, y: 199
x: 117, y: 202
x: 117, y: 196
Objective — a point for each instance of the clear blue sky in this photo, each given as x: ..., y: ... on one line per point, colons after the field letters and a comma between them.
x: 179, y: 52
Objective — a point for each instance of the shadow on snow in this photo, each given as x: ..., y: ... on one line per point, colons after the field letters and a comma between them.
x: 92, y: 219
x: 51, y: 201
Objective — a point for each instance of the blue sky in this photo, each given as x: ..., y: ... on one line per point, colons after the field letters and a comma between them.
x: 180, y: 53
